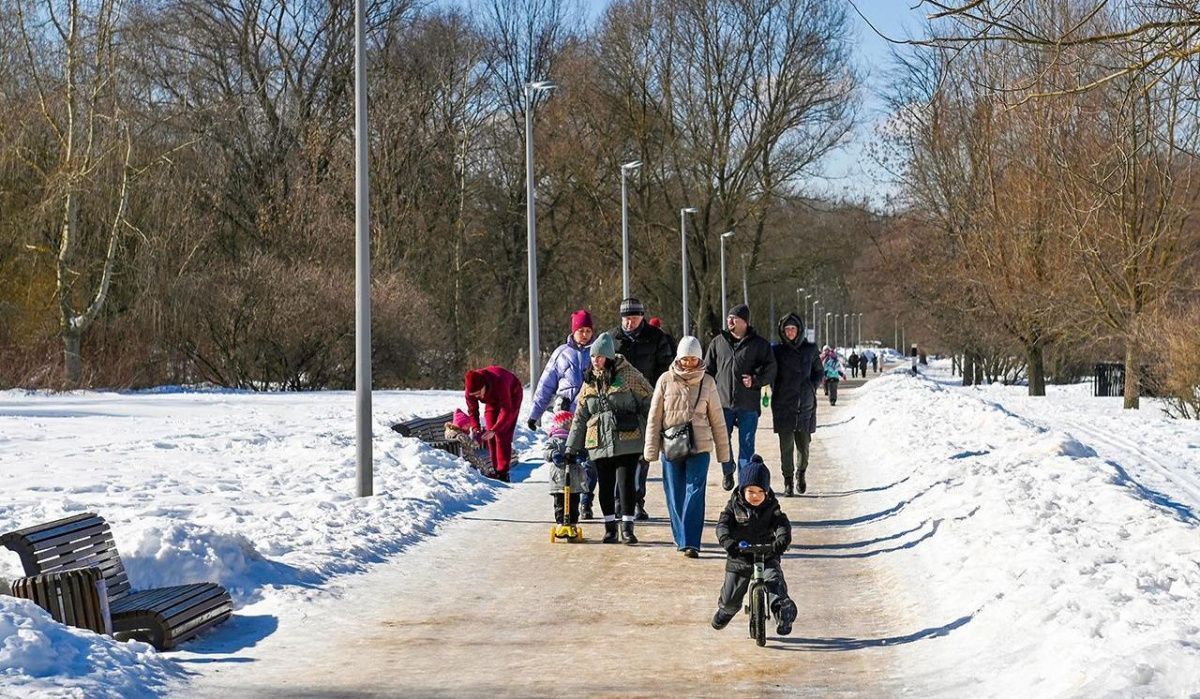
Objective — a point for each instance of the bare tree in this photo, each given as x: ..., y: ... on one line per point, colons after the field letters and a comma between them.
x: 1132, y: 206
x: 74, y: 53
x: 1152, y: 37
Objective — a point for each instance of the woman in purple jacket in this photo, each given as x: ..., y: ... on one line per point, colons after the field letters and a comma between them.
x: 563, y: 376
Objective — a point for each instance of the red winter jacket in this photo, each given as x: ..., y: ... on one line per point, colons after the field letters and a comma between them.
x: 503, y: 398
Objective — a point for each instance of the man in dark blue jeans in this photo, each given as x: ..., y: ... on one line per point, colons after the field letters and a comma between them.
x: 742, y: 363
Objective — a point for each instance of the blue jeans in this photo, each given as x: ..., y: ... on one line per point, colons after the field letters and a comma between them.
x: 747, y: 425
x: 683, y: 483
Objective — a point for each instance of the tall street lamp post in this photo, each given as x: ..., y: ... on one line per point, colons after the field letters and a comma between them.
x: 362, y: 263
x: 625, y: 170
x: 724, y: 291
x: 687, y: 320
x: 531, y: 226
x: 745, y: 281
x: 816, y: 327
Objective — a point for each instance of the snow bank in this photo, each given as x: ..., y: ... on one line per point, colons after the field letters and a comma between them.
x: 40, y: 657
x: 1056, y: 571
x: 254, y: 491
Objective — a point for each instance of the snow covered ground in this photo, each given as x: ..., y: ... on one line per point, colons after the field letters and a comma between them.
x: 1045, y: 547
x: 1054, y: 542
x: 250, y: 490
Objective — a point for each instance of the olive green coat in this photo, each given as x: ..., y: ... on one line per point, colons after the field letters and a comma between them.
x: 599, y: 406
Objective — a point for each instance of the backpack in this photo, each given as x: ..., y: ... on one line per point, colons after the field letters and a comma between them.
x: 831, y: 368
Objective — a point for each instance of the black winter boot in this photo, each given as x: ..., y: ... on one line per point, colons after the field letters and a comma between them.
x: 640, y: 512
x: 721, y: 619
x: 789, y: 489
x: 786, y: 614
x: 727, y: 481
x: 803, y: 485
x: 610, y: 533
x: 627, y: 533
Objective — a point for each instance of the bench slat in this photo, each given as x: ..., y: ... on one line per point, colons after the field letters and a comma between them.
x: 40, y: 531
x: 149, y: 599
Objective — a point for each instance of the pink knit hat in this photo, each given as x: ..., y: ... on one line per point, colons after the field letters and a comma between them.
x: 581, y: 319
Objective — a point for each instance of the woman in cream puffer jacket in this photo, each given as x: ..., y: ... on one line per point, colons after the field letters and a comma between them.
x: 685, y: 394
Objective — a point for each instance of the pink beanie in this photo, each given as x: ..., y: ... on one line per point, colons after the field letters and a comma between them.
x: 581, y: 319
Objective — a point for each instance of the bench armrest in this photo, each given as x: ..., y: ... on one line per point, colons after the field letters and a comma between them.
x: 77, y: 597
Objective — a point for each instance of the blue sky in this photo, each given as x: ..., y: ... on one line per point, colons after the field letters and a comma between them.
x: 850, y: 172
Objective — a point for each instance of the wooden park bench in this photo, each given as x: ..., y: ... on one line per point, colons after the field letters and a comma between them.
x: 75, y: 573
x: 432, y: 430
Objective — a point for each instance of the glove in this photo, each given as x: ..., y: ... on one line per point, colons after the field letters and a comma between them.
x: 781, y: 546
x: 533, y: 424
x: 571, y: 458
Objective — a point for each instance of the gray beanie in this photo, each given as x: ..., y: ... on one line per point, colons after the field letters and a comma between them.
x: 632, y: 307
x: 603, y: 346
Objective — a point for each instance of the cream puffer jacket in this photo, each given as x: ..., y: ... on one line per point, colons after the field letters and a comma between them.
x: 672, y: 405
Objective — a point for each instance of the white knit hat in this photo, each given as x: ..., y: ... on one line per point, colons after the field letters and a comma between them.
x: 689, y: 347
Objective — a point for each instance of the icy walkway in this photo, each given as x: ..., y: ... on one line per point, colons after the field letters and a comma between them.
x: 489, y: 607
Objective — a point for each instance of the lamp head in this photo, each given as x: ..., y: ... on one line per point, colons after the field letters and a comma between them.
x: 689, y: 210
x: 632, y: 165
x: 542, y: 85
x: 727, y: 234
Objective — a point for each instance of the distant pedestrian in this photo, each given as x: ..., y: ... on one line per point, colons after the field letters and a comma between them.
x: 853, y: 360
x: 686, y: 398
x: 651, y: 352
x: 742, y: 363
x: 833, y: 374
x: 794, y: 399
x: 870, y: 358
x: 501, y: 391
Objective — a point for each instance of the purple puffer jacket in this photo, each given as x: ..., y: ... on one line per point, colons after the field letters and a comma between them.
x: 563, y: 376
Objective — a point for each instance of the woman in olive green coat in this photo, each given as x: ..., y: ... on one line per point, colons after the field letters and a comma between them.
x: 610, y: 423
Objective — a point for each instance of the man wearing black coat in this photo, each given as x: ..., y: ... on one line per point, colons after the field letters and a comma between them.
x: 651, y: 352
x: 742, y: 363
x: 794, y: 398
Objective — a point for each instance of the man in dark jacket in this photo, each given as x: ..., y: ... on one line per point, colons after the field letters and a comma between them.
x: 794, y: 398
x: 753, y: 516
x: 651, y: 352
x: 742, y: 363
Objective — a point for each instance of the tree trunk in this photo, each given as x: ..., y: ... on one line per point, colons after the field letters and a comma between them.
x: 1035, y: 357
x: 968, y: 372
x: 1132, y: 377
x: 72, y: 359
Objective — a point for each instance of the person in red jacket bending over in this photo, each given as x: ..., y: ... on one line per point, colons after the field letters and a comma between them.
x: 500, y: 390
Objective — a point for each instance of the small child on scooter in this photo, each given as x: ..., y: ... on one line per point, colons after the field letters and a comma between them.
x: 559, y: 428
x: 753, y: 515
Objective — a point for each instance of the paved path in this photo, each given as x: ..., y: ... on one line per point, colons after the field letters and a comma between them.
x: 489, y: 607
